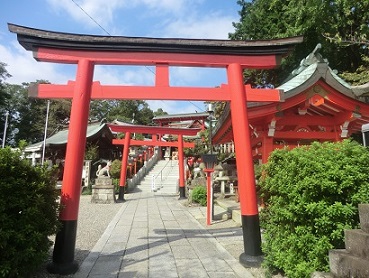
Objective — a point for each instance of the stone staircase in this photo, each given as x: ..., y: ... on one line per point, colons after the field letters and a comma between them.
x: 163, y: 178
x: 353, y: 261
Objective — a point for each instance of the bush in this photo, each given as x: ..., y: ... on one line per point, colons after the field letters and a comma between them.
x: 115, y: 168
x: 28, y: 214
x: 199, y: 195
x: 311, y: 194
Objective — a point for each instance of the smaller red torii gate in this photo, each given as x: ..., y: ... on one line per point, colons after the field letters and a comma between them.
x: 153, y: 130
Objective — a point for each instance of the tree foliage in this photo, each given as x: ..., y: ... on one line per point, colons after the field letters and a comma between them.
x: 133, y: 111
x: 3, y: 76
x: 4, y: 95
x: 28, y: 214
x: 311, y: 195
x: 160, y: 112
x: 341, y: 26
x: 27, y: 116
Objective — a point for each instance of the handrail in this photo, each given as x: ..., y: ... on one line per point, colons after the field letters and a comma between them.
x: 154, y: 177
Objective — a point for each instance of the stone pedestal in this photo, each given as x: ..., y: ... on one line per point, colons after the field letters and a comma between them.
x: 103, y: 191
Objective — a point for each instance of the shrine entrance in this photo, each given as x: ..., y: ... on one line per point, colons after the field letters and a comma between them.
x: 87, y: 51
x: 154, y: 131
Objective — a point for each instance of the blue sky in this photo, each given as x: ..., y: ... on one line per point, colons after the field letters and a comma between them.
x: 205, y: 19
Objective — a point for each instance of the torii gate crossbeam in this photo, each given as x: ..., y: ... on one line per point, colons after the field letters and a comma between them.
x: 87, y: 51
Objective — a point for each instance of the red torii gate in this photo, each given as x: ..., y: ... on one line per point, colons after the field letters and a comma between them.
x: 153, y: 130
x: 86, y: 51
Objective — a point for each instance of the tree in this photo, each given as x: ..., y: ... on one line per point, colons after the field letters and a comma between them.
x: 3, y: 94
x: 133, y: 111
x: 100, y: 109
x: 160, y: 112
x: 318, y: 21
x: 27, y: 116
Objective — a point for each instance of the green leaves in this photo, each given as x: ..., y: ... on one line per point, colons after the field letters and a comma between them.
x: 311, y: 194
x: 199, y: 195
x: 28, y: 214
x: 341, y: 26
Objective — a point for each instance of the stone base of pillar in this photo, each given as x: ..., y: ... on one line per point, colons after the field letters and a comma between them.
x: 250, y: 261
x: 103, y: 191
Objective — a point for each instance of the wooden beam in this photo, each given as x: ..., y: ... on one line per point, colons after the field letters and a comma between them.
x: 153, y: 143
x: 154, y: 129
x: 65, y: 56
x: 152, y: 93
x: 305, y: 135
x: 306, y: 120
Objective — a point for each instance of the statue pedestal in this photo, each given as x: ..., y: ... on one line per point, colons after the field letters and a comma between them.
x: 103, y: 191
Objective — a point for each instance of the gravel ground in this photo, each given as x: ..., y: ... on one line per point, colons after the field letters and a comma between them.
x: 93, y: 219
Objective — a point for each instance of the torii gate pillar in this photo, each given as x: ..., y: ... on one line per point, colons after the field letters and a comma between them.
x: 245, y: 168
x: 123, y: 169
x: 63, y: 255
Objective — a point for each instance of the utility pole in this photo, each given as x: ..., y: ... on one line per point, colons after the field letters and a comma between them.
x: 5, y: 128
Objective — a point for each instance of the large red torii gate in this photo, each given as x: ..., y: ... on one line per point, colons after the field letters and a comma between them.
x: 86, y: 51
x: 153, y: 130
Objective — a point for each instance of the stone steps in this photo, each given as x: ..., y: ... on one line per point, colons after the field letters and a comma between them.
x: 165, y: 183
x: 353, y: 261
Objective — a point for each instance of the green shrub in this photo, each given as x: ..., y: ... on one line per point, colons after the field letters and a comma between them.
x: 28, y: 214
x: 311, y: 194
x: 199, y: 195
x: 115, y: 167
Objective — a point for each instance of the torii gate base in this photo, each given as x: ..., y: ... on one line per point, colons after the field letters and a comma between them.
x: 88, y: 51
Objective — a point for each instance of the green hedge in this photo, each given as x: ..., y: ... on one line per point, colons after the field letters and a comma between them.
x: 311, y: 195
x: 28, y: 214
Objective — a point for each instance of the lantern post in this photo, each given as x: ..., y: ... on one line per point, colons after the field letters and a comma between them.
x: 210, y: 161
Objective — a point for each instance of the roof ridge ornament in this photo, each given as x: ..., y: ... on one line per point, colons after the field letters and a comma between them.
x: 312, y: 58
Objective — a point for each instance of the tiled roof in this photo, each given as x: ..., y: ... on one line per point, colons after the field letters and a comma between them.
x: 311, y: 69
x: 61, y: 137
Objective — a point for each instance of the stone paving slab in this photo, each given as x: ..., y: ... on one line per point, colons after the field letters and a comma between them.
x: 156, y: 236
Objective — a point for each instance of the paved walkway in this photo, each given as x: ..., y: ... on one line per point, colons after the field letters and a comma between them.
x: 156, y: 236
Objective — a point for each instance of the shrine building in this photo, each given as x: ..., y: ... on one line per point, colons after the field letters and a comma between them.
x: 317, y: 105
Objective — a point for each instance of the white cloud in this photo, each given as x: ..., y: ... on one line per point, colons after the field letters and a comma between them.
x: 209, y: 26
x: 102, y: 11
x: 159, y: 7
x: 24, y: 68
x: 185, y: 76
